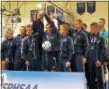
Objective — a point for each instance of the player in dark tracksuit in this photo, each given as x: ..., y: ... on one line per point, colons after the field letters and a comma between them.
x: 31, y: 53
x: 50, y: 57
x: 81, y: 44
x: 95, y: 57
x: 19, y: 62
x: 66, y: 49
x: 86, y: 34
x: 7, y: 50
x: 38, y: 27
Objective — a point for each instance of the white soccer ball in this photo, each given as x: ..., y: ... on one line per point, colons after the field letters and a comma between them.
x: 46, y: 45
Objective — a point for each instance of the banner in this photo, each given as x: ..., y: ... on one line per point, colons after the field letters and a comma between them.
x: 50, y: 9
x: 91, y: 7
x: 33, y: 15
x: 59, y: 14
x: 42, y: 80
x: 80, y: 8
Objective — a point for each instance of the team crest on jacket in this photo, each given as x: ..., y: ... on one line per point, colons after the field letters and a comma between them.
x: 78, y: 36
x: 52, y: 37
x: 10, y: 43
x: 98, y: 41
x: 64, y: 40
x: 74, y: 34
x: 33, y: 39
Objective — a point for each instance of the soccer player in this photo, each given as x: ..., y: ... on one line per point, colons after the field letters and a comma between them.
x: 50, y: 56
x: 7, y: 50
x: 66, y: 49
x: 31, y: 50
x: 38, y: 27
x: 95, y: 57
x: 81, y: 44
x: 19, y: 62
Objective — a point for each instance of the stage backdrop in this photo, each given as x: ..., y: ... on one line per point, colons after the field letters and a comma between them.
x: 42, y: 80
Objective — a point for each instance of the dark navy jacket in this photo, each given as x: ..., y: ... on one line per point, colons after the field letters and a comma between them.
x: 66, y: 48
x: 49, y: 57
x: 38, y: 26
x: 54, y: 39
x: 18, y: 46
x: 81, y: 42
x: 98, y: 45
x: 8, y: 49
x: 31, y: 48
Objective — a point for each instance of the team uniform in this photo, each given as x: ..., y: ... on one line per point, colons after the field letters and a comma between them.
x: 8, y: 51
x: 81, y: 44
x: 31, y: 52
x: 66, y: 52
x: 38, y: 27
x: 19, y: 61
x: 96, y: 51
x: 50, y: 59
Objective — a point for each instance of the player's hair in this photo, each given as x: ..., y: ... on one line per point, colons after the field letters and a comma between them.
x: 23, y: 27
x: 29, y: 26
x: 65, y: 26
x: 8, y: 30
x: 79, y: 20
x: 102, y: 19
x: 94, y: 24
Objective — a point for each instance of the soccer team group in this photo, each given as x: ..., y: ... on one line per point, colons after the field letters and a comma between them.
x: 73, y: 48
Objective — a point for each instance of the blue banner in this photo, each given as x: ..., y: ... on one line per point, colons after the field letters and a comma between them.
x: 91, y: 7
x: 80, y: 7
x: 42, y: 80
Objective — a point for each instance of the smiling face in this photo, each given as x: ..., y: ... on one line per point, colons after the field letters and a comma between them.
x: 101, y: 23
x: 9, y: 34
x: 94, y: 28
x: 48, y: 28
x: 63, y: 29
x: 22, y: 30
x: 78, y: 24
x: 29, y: 32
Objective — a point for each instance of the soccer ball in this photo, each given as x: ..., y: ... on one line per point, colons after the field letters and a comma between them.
x: 46, y: 45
